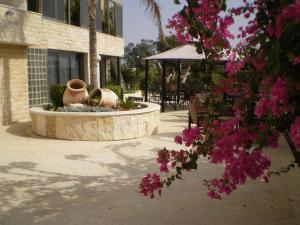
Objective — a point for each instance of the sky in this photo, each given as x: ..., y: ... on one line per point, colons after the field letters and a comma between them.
x: 139, y: 25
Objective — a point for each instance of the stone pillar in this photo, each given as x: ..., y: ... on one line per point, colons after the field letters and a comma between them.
x: 14, y: 103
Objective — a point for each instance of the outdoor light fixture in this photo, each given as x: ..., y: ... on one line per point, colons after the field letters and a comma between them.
x: 98, y: 58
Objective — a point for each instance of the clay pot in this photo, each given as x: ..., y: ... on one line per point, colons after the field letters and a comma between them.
x: 106, y: 98
x: 75, y: 92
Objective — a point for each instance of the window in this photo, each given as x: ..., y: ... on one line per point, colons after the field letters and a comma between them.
x: 111, y: 18
x: 54, y: 9
x: 119, y: 21
x: 64, y: 66
x: 74, y: 12
x: 33, y: 5
x: 104, y: 16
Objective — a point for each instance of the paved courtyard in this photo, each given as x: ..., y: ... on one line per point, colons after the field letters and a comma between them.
x: 57, y: 182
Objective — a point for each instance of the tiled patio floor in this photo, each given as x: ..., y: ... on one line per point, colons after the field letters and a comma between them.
x: 58, y: 182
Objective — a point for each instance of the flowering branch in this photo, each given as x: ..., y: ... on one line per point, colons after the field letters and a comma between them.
x: 262, y: 74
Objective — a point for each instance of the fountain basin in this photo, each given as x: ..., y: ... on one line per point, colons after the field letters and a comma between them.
x: 96, y: 126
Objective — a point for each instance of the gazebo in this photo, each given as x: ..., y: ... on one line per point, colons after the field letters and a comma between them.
x: 186, y: 52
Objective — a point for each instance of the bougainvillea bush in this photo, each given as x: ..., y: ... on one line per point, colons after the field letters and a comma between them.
x: 263, y: 75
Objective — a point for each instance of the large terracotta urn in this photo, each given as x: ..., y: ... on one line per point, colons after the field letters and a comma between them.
x: 75, y: 92
x: 103, y: 97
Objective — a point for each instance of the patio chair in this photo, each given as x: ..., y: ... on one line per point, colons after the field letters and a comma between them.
x: 198, y: 109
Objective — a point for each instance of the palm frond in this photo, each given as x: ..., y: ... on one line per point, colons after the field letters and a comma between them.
x: 153, y: 8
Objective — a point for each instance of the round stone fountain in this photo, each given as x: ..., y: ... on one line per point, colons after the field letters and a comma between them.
x: 96, y: 126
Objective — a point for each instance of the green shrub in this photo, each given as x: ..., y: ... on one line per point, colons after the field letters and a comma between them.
x: 115, y: 88
x: 128, y: 105
x: 56, y: 95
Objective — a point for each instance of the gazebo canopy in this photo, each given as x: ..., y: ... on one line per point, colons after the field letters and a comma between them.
x: 186, y: 52
x: 182, y: 52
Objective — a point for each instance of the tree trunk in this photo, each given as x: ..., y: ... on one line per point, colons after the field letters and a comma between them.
x: 95, y: 81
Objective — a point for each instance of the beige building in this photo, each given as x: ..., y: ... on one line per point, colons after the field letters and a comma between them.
x: 46, y: 42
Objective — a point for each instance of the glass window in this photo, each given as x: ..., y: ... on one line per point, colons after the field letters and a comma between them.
x: 75, y: 12
x: 54, y: 9
x: 52, y: 69
x: 33, y: 5
x: 63, y: 66
x: 48, y: 8
x: 76, y: 66
x: 111, y: 18
x: 119, y: 21
x: 104, y: 16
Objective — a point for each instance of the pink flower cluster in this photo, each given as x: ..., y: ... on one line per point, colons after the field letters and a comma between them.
x: 244, y: 165
x: 173, y: 157
x: 149, y: 184
x: 163, y: 160
x: 189, y: 136
x: 232, y: 146
x: 296, y: 60
x: 287, y: 14
x: 295, y: 132
x: 208, y: 14
x: 230, y: 139
x: 234, y: 66
x: 274, y: 101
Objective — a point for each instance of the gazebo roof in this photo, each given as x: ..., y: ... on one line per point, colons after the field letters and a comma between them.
x: 182, y: 52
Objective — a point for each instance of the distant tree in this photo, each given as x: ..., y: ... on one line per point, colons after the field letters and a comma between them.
x: 135, y: 53
x: 134, y: 66
x: 168, y: 43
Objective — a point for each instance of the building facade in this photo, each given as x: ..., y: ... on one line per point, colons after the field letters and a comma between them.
x: 46, y: 42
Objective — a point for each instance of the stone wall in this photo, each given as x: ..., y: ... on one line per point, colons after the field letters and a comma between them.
x: 31, y: 29
x: 102, y: 126
x: 20, y: 4
x: 13, y: 84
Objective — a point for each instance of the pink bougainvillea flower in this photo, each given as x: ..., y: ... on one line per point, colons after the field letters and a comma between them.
x: 149, y: 184
x: 295, y: 132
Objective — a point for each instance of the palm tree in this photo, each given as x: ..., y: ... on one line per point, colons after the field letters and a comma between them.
x: 153, y: 8
x: 150, y: 5
x: 95, y: 82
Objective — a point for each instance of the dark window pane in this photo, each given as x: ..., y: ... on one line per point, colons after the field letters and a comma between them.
x: 48, y: 8
x: 64, y: 68
x: 98, y: 16
x: 60, y: 9
x: 102, y: 72
x: 33, y: 5
x: 75, y: 66
x: 104, y: 16
x: 84, y: 16
x: 67, y: 13
x: 52, y: 69
x: 75, y: 12
x: 111, y: 18
x: 119, y: 21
